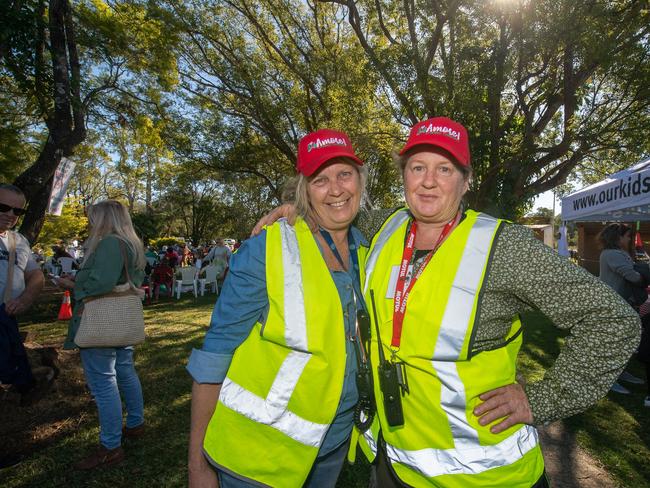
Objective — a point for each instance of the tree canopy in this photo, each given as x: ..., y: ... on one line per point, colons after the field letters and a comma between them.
x: 541, y: 85
x: 196, y: 105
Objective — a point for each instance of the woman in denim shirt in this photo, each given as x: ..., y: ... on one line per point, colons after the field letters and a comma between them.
x: 332, y: 180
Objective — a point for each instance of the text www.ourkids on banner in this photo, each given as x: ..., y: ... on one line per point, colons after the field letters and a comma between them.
x: 625, y: 189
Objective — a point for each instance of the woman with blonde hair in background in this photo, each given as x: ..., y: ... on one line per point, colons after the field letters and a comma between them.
x: 109, y: 371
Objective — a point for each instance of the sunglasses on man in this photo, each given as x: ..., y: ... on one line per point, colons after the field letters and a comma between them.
x: 17, y: 210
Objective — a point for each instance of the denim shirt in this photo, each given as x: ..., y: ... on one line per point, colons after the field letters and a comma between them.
x: 244, y: 301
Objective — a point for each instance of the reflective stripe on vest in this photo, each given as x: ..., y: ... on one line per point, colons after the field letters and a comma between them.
x: 388, y: 230
x: 273, y: 410
x: 455, y: 325
x: 370, y: 439
x: 437, y: 462
x: 467, y: 456
x: 295, y: 324
x: 460, y: 305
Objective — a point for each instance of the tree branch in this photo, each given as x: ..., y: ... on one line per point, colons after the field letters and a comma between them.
x: 355, y: 22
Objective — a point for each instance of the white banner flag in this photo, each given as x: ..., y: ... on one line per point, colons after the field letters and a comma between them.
x: 60, y: 185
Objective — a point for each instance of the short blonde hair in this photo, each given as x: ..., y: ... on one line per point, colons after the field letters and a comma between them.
x: 110, y: 217
x: 296, y: 190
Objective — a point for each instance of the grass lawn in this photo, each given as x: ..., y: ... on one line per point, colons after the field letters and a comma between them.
x: 63, y: 426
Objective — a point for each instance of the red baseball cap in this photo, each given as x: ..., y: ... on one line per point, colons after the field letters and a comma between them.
x: 317, y: 148
x: 441, y: 132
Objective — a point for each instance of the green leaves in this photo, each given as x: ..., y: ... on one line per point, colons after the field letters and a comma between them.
x: 537, y: 96
x: 226, y: 88
x: 71, y: 224
x: 132, y: 34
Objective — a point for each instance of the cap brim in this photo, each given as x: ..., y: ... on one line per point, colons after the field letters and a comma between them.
x: 449, y: 148
x: 331, y: 156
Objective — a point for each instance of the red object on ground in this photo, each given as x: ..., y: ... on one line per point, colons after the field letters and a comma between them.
x: 65, y: 312
x: 638, y: 243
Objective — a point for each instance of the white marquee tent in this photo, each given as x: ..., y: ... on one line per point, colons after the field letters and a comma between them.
x: 623, y: 196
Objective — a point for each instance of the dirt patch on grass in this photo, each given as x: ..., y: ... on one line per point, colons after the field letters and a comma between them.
x: 26, y: 430
x: 567, y: 465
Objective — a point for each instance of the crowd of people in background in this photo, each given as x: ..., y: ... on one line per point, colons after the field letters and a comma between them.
x: 178, y: 254
x: 162, y: 264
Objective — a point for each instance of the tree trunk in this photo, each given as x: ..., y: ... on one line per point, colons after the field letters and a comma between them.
x: 33, y: 179
x: 36, y: 182
x: 35, y: 216
x: 65, y: 122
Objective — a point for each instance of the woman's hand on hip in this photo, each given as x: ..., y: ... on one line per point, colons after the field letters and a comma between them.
x: 509, y: 403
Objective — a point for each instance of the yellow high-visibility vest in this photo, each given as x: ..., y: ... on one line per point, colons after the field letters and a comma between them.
x: 285, y: 381
x: 441, y: 443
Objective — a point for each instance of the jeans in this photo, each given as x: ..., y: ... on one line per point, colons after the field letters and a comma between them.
x: 323, y: 474
x: 106, y: 370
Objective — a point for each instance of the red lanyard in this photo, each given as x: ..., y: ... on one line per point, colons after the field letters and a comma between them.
x: 401, y: 296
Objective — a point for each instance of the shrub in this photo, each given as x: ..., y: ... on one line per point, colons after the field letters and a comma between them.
x: 159, y: 242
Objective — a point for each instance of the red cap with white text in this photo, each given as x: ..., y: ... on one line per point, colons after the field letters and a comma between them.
x: 441, y: 132
x: 317, y: 148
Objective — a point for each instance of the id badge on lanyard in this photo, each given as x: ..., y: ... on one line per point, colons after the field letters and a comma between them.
x: 406, y: 279
x: 392, y: 282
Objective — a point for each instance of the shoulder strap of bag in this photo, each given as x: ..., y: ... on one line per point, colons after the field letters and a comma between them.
x: 9, y: 286
x: 126, y: 268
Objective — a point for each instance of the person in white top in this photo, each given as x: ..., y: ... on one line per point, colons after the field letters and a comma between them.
x: 27, y: 279
x: 20, y: 283
x: 220, y: 253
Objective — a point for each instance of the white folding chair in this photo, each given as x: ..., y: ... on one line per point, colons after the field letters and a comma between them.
x: 211, y: 275
x: 187, y: 281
